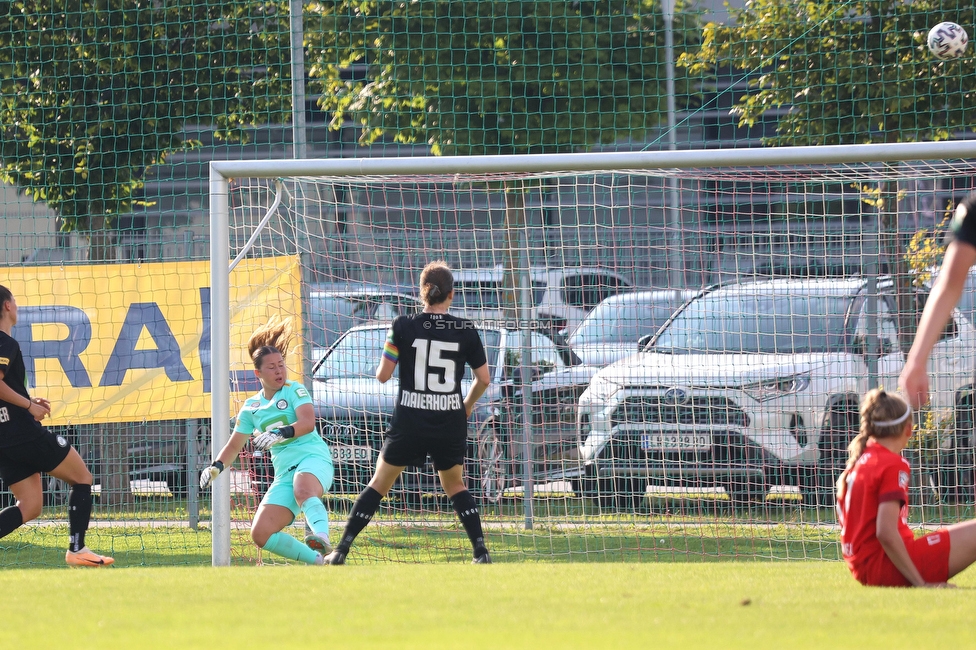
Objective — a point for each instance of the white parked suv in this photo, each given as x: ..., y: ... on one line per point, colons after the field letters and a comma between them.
x: 756, y: 384
x: 561, y: 297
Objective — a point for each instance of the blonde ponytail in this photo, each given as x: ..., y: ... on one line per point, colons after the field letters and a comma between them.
x: 883, y: 415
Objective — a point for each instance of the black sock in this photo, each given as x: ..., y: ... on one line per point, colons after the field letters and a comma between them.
x: 362, y: 511
x: 467, y: 512
x: 79, y: 514
x: 10, y: 520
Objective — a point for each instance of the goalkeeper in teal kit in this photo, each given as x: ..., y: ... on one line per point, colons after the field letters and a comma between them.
x: 281, y: 418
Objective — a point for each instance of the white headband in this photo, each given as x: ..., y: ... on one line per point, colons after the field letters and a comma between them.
x: 891, y: 423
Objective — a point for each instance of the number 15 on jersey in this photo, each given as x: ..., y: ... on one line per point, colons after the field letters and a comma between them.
x: 429, y: 356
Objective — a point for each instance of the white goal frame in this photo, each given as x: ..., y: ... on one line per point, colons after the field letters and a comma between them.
x: 222, y: 171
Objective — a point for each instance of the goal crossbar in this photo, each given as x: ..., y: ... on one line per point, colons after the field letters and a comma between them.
x: 611, y: 161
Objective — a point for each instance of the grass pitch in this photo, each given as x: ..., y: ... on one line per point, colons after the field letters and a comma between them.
x: 530, y: 605
x: 676, y: 579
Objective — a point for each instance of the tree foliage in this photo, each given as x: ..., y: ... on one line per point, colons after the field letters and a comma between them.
x: 94, y: 92
x: 496, y: 77
x: 849, y: 72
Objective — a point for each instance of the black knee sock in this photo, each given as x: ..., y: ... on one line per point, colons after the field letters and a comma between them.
x: 10, y: 520
x: 362, y: 511
x: 79, y: 514
x: 467, y: 512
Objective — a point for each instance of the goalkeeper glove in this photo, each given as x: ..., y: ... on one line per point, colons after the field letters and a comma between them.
x: 210, y: 473
x: 265, y: 440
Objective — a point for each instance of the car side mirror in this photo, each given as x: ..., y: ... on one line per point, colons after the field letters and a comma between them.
x: 861, y: 346
x: 643, y: 341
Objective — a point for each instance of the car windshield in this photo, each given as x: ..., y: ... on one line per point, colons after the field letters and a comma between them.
x: 621, y: 322
x: 331, y: 315
x: 487, y: 295
x: 757, y: 323
x: 358, y: 353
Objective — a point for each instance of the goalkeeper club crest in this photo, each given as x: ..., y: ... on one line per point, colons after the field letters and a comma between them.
x: 903, y: 479
x: 62, y: 441
x: 282, y: 404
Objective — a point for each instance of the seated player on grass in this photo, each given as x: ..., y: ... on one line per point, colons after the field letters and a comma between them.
x: 872, y: 506
x: 283, y: 419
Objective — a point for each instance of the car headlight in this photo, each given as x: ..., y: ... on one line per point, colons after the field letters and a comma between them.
x: 768, y: 389
x: 599, y: 391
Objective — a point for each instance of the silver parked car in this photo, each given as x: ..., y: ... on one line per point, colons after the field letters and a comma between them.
x: 561, y: 297
x: 353, y: 411
x: 620, y: 325
x: 333, y: 308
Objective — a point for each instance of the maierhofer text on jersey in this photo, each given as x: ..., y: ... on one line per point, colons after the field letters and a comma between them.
x: 449, y: 402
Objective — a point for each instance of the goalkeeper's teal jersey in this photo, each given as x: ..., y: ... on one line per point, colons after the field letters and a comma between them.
x: 260, y: 414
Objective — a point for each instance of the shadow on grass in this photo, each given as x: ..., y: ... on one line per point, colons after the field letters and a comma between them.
x: 661, y: 543
x: 562, y: 530
x: 45, y: 546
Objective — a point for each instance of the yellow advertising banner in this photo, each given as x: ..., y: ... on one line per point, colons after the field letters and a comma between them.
x: 131, y: 342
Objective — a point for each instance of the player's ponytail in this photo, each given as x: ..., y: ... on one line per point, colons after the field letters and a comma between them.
x: 883, y: 415
x: 436, y: 282
x: 275, y: 336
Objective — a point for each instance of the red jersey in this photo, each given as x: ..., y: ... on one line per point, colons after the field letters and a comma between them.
x: 879, y: 475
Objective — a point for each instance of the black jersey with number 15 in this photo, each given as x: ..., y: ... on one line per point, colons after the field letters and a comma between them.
x: 432, y: 351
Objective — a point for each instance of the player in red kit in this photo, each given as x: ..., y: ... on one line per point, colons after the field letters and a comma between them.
x: 872, y: 506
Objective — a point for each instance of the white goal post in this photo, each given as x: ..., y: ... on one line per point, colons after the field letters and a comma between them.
x: 668, y: 163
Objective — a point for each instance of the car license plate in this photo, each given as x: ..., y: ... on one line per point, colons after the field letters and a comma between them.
x: 346, y: 454
x: 675, y: 440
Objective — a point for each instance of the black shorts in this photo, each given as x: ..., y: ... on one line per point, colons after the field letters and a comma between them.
x: 412, y: 449
x: 42, y: 454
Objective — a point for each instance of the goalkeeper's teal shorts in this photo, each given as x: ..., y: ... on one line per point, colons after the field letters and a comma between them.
x: 308, y: 461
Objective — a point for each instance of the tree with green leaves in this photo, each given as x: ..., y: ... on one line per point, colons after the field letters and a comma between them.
x: 504, y: 77
x: 95, y: 92
x: 849, y: 72
x: 497, y: 77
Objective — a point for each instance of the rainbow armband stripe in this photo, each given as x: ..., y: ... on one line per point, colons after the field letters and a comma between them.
x: 391, y: 352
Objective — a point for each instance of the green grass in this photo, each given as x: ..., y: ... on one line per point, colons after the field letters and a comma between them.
x: 565, y: 530
x: 682, y: 576
x: 624, y: 605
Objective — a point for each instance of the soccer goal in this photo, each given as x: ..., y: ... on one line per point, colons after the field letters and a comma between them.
x: 678, y: 340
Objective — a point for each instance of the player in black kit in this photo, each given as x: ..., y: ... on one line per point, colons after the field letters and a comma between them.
x: 27, y: 449
x: 430, y: 417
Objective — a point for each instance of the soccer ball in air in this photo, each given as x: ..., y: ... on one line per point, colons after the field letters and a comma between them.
x: 948, y: 41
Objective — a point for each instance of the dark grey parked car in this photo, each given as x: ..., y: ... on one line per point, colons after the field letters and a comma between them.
x: 333, y: 308
x: 353, y: 411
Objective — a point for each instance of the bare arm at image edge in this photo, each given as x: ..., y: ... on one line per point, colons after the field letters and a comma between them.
x: 914, y: 381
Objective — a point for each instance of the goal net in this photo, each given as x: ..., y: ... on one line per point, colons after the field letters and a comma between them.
x: 678, y: 341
